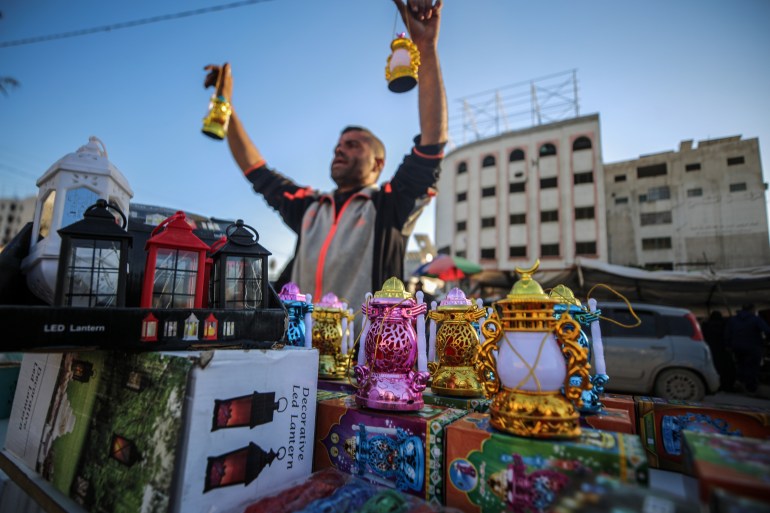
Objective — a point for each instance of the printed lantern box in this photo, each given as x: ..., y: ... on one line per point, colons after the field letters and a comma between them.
x: 337, y: 385
x: 488, y: 471
x: 9, y: 376
x: 609, y: 419
x: 621, y: 402
x: 478, y: 404
x: 325, y: 395
x: 662, y: 422
x: 160, y: 432
x: 738, y: 465
x: 402, y: 450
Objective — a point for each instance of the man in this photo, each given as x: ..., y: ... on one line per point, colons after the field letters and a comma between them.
x: 350, y: 241
x: 743, y: 336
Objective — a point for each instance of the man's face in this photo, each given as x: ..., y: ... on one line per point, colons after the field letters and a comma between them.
x: 355, y: 164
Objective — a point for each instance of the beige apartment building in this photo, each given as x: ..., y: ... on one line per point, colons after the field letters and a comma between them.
x: 14, y: 214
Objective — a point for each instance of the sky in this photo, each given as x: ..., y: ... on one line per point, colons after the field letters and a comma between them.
x: 657, y: 72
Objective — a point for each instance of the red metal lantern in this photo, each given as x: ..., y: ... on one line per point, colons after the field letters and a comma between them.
x: 175, y: 271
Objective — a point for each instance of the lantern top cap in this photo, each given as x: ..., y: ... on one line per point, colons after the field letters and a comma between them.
x: 563, y: 294
x: 290, y: 292
x: 527, y: 289
x: 456, y: 297
x: 330, y: 300
x: 393, y: 288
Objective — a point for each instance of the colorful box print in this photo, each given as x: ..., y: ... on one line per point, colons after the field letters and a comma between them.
x: 403, y: 450
x: 608, y: 419
x: 738, y: 465
x: 622, y: 402
x: 662, y: 424
x: 488, y: 471
x: 477, y: 404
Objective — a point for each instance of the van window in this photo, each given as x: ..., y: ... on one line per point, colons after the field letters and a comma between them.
x: 647, y: 329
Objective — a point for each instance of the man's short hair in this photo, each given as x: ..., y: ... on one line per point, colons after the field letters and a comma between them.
x: 379, y: 148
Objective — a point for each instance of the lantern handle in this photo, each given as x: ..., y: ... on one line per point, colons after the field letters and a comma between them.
x: 240, y: 224
x: 179, y: 215
x: 102, y: 203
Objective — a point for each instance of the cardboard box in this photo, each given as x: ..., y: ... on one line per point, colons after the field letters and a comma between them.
x: 337, y: 385
x: 159, y: 432
x: 662, y: 423
x: 739, y: 465
x: 478, y: 404
x: 9, y: 376
x: 489, y: 471
x: 399, y: 450
x: 325, y: 395
x: 621, y: 402
x: 609, y: 419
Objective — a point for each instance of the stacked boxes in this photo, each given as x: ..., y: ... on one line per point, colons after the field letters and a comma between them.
x: 478, y: 404
x: 609, y: 419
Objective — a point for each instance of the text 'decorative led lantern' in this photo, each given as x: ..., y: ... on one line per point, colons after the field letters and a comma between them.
x: 239, y: 271
x: 402, y: 66
x: 523, y: 364
x: 328, y: 328
x: 93, y: 263
x: 176, y: 263
x: 394, y: 341
x: 299, y: 307
x: 456, y: 346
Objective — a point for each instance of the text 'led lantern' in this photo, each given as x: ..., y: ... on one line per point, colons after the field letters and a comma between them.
x: 394, y: 341
x: 72, y: 184
x: 239, y: 271
x: 329, y: 332
x: 528, y: 357
x: 402, y: 66
x: 176, y: 264
x: 93, y: 264
x: 300, y: 308
x: 455, y: 345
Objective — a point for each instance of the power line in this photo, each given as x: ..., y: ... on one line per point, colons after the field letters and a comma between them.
x: 130, y: 24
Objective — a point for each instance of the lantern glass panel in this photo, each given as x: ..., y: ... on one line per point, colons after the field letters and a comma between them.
x: 92, y: 274
x: 243, y: 282
x: 175, y: 278
x: 46, y: 215
x: 76, y: 201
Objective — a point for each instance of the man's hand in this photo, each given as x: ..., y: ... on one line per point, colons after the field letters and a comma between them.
x: 221, y: 78
x: 423, y: 20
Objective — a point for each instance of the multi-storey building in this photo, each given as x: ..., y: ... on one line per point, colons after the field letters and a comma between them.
x: 526, y: 194
x: 14, y: 214
x: 700, y: 207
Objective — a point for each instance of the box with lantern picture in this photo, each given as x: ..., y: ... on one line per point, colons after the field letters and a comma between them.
x: 401, y: 450
x: 490, y: 471
x: 166, y: 432
x: 621, y: 402
x: 662, y: 424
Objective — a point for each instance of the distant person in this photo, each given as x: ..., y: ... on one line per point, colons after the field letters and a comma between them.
x: 743, y: 337
x: 350, y: 240
x: 713, y: 330
x: 427, y: 296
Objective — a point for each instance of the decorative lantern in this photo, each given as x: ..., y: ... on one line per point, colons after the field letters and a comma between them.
x: 239, y: 271
x: 241, y: 466
x: 218, y: 118
x: 394, y: 341
x: 402, y: 66
x: 176, y: 262
x: 70, y: 185
x: 523, y: 364
x: 457, y: 346
x: 328, y: 329
x: 587, y: 318
x: 93, y: 264
x: 300, y: 307
x: 247, y: 410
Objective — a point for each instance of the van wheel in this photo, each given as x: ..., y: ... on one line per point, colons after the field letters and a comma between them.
x: 680, y: 384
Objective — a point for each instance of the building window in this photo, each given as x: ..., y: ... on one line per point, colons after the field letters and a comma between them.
x: 693, y: 193
x: 549, y: 216
x: 734, y: 161
x: 462, y: 226
x: 642, y: 198
x: 653, y: 170
x: 462, y: 167
x: 488, y: 253
x: 584, y: 177
x: 621, y: 201
x: 584, y: 213
x: 516, y: 155
x: 461, y: 254
x: 488, y: 222
x: 658, y: 193
x: 517, y: 251
x: 549, y: 249
x: 581, y: 143
x: 488, y: 161
x: 547, y: 149
x: 737, y: 187
x: 444, y: 250
x: 654, y: 243
x: 655, y: 218
x: 549, y: 183
x: 462, y: 196
x: 585, y: 248
x: 517, y: 187
x: 518, y: 219
x: 620, y: 178
x: 692, y: 167
x: 487, y: 192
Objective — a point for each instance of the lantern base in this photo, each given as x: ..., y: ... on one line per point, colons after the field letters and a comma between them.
x: 403, y: 83
x: 534, y: 414
x: 456, y: 381
x: 390, y: 391
x: 214, y: 130
x: 333, y: 366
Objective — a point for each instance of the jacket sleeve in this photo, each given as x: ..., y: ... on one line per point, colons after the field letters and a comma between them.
x: 282, y: 194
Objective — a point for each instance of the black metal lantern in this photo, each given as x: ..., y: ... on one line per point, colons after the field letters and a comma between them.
x: 239, y: 271
x: 93, y: 263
